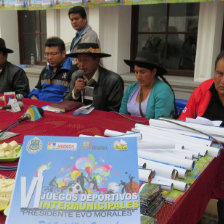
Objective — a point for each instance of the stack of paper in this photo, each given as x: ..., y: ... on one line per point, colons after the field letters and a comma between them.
x: 151, y: 199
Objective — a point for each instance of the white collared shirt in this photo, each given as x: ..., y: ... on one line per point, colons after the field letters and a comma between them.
x: 94, y: 77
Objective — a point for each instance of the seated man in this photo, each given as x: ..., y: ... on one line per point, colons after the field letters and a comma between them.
x: 55, y: 77
x: 107, y: 86
x: 208, y: 101
x: 12, y: 78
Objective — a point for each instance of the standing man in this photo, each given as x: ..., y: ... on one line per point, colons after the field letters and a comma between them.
x: 207, y: 101
x: 12, y: 78
x: 78, y: 18
x: 107, y: 86
x: 55, y: 77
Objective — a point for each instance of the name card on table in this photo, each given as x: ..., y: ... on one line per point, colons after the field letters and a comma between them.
x: 76, y: 180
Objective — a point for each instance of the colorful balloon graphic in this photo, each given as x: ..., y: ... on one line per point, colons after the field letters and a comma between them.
x: 86, y: 172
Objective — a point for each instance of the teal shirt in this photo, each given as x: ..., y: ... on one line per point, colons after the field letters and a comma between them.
x: 160, y: 101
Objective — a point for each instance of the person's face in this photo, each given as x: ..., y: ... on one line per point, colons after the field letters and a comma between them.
x: 144, y: 76
x: 3, y: 58
x: 54, y: 56
x: 219, y: 77
x: 88, y: 64
x: 77, y: 21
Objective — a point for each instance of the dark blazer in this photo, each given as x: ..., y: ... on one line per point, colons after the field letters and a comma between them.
x: 108, y: 91
x: 14, y: 79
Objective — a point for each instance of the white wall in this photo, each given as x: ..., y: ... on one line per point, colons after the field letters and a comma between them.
x: 115, y: 36
x: 209, y: 39
x: 9, y: 32
x: 94, y: 19
x: 67, y: 32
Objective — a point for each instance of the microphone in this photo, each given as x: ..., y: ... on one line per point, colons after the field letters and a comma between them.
x: 33, y: 114
x: 18, y: 97
x: 20, y: 104
x: 80, y: 75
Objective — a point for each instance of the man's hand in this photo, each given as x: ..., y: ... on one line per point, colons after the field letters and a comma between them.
x: 34, y: 98
x: 79, y: 86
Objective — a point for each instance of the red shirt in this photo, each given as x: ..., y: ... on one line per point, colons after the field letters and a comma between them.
x: 198, y: 102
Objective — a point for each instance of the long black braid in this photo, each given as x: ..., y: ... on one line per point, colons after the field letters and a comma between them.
x: 175, y: 113
x: 151, y: 67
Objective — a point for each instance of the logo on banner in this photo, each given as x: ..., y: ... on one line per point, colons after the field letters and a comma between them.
x: 62, y: 146
x: 89, y: 145
x: 120, y: 145
x: 34, y: 145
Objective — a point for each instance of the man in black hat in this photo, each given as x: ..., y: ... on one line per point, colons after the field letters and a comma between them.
x: 12, y: 78
x: 93, y: 83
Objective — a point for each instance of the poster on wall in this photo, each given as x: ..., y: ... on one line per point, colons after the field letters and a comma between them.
x: 57, y: 4
x: 76, y: 180
x: 13, y: 4
x: 40, y: 4
x: 102, y: 2
x: 67, y: 3
x: 139, y: 2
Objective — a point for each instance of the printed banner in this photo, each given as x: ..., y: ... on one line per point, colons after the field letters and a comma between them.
x: 13, y: 4
x: 76, y: 180
x: 57, y: 4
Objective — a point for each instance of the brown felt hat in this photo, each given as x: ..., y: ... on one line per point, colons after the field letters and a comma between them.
x: 88, y: 48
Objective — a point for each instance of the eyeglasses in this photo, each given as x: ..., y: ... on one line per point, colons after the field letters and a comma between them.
x: 51, y: 54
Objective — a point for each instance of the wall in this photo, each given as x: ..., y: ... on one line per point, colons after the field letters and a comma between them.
x: 9, y: 32
x: 209, y: 39
x: 115, y: 36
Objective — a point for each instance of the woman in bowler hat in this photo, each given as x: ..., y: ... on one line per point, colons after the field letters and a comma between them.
x: 151, y: 96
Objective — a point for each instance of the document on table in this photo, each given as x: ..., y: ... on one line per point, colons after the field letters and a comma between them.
x: 7, y: 135
x: 203, y: 121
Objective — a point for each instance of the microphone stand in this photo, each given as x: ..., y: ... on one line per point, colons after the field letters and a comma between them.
x: 12, y: 125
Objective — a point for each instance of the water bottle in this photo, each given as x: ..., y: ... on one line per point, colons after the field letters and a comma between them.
x: 32, y: 59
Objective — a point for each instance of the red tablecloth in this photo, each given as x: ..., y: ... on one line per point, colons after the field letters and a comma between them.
x: 65, y: 124
x: 188, y: 210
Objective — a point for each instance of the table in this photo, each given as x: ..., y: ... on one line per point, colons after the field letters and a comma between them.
x: 191, y: 206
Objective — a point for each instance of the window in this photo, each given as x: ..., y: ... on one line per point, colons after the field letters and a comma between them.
x: 169, y: 31
x: 32, y: 35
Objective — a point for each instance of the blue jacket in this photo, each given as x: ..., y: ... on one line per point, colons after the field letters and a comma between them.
x: 52, y: 86
x: 160, y: 101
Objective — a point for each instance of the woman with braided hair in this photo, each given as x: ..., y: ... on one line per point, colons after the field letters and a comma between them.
x: 151, y: 96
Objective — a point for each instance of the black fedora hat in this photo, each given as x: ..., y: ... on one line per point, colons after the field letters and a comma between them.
x: 148, y: 60
x: 88, y: 48
x: 3, y: 47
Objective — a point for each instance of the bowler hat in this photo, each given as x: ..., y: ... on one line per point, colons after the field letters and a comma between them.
x: 148, y: 60
x: 88, y: 48
x: 3, y: 47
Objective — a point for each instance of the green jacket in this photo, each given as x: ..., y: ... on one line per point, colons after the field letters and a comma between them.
x: 160, y: 102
